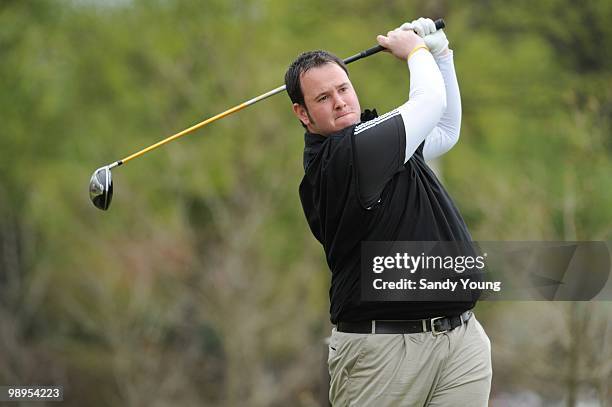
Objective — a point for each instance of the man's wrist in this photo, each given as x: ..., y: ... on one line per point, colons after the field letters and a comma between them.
x: 446, y: 51
x: 415, y: 49
x: 448, y: 56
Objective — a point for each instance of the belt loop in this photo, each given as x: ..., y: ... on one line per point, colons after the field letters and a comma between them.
x: 424, y: 322
x: 373, y: 326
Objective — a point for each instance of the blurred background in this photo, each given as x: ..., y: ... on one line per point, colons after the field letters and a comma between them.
x: 202, y: 284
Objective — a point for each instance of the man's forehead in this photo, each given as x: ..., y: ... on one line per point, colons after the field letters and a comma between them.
x: 322, y: 78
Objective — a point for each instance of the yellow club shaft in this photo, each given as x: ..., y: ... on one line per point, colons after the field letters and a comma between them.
x: 199, y: 125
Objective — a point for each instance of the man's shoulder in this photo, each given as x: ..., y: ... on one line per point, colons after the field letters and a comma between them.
x: 341, y: 141
x: 378, y: 123
x: 334, y: 153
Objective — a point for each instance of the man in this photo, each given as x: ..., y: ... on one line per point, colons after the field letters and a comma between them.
x: 369, y: 181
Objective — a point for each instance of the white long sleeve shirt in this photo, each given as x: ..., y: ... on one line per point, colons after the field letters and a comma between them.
x: 433, y: 110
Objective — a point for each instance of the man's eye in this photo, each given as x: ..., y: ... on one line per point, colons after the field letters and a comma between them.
x: 322, y: 98
x: 343, y: 89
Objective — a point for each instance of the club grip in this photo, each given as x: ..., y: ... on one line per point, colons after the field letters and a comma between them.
x: 371, y: 51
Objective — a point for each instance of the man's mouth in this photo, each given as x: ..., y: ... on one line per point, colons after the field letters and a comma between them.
x: 342, y: 115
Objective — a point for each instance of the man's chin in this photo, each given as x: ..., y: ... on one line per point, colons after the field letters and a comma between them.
x: 346, y: 120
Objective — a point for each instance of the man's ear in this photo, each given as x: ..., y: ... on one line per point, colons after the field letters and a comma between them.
x: 301, y: 113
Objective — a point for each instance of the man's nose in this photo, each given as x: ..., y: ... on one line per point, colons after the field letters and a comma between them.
x: 339, y: 102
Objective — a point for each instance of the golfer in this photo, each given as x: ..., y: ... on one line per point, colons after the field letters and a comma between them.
x: 366, y: 179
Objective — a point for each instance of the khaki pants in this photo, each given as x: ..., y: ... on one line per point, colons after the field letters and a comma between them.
x: 452, y: 369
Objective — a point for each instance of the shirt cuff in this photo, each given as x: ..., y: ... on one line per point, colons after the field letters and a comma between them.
x: 444, y: 58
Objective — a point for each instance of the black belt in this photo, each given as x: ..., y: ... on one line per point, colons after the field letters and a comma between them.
x: 436, y: 326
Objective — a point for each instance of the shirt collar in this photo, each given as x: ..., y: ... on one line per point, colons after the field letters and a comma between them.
x: 314, y: 142
x: 312, y: 145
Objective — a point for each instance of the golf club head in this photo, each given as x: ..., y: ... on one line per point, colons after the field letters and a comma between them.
x: 101, y: 188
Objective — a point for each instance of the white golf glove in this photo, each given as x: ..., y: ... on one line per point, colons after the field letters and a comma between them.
x: 435, y: 39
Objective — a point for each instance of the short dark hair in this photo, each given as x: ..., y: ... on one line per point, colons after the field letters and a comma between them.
x: 303, y: 63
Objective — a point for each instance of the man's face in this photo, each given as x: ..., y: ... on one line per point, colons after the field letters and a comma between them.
x: 331, y: 101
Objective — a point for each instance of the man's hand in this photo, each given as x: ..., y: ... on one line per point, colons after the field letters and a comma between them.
x: 400, y: 42
x: 435, y: 39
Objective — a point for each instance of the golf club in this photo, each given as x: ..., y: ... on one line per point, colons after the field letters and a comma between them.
x: 101, y: 183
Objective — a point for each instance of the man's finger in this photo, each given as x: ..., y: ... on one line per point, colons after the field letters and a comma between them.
x: 431, y: 26
x: 424, y: 26
x: 418, y: 28
x: 383, y: 41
